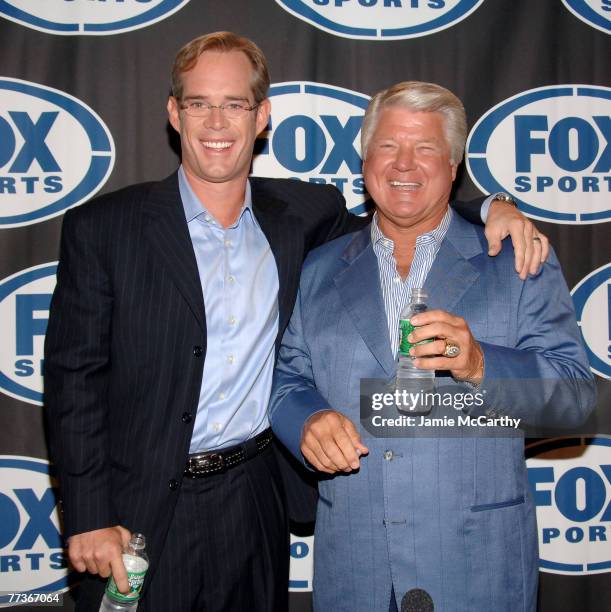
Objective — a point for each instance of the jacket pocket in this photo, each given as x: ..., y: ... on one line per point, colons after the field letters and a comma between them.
x: 504, y: 504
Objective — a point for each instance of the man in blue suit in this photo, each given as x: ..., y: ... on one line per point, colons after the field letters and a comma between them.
x: 450, y: 515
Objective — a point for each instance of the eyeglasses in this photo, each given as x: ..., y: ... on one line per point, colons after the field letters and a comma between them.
x: 233, y: 110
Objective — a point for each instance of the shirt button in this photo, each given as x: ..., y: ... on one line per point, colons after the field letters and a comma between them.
x: 230, y: 279
x: 397, y: 279
x: 230, y: 359
x: 207, y: 218
x: 231, y: 321
x: 198, y: 351
x: 173, y: 484
x: 228, y: 243
x: 187, y: 417
x: 221, y: 396
x: 216, y: 427
x: 388, y: 455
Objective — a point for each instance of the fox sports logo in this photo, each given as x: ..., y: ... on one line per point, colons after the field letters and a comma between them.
x: 314, y: 135
x: 302, y: 563
x: 592, y: 300
x: 596, y: 13
x: 55, y: 152
x: 551, y: 149
x: 94, y: 17
x: 570, y: 481
x: 32, y: 555
x: 25, y: 298
x: 381, y: 19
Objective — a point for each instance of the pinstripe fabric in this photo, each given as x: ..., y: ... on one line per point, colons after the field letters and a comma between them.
x: 238, y: 516
x: 125, y: 348
x: 126, y: 343
x: 395, y: 290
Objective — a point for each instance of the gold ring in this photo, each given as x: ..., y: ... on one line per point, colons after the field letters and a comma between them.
x: 452, y: 349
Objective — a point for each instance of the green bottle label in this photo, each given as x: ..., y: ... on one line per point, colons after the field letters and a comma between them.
x: 406, y: 328
x: 135, y: 579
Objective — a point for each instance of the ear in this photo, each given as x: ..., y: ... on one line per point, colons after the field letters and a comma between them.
x: 173, y: 113
x: 263, y: 111
x: 454, y: 170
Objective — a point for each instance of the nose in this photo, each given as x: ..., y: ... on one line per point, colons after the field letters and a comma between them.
x: 215, y: 119
x: 405, y: 159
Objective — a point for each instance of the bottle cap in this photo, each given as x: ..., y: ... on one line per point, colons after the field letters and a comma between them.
x: 418, y: 294
x: 137, y: 542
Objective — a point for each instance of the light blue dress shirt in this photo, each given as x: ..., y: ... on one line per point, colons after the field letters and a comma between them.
x: 395, y: 290
x: 239, y: 280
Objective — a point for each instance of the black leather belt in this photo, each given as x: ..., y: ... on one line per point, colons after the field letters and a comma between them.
x: 216, y: 462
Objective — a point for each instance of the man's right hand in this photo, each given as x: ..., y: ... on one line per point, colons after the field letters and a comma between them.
x: 331, y: 443
x: 100, y: 552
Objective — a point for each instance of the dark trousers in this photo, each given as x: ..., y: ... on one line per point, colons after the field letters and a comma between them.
x: 227, y: 548
x: 393, y: 602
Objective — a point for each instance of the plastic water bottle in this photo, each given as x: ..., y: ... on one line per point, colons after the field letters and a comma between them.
x: 413, y: 380
x: 136, y: 563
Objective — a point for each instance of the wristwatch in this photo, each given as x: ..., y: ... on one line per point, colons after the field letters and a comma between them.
x: 504, y: 197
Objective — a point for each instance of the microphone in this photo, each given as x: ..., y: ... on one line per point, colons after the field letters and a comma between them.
x: 417, y: 600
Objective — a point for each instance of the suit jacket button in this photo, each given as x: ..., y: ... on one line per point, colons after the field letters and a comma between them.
x: 187, y: 417
x: 198, y: 351
x: 173, y: 484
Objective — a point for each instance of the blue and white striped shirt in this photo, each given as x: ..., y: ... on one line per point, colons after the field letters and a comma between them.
x: 395, y: 290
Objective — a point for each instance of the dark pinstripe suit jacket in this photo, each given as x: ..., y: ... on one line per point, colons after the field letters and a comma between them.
x: 126, y: 344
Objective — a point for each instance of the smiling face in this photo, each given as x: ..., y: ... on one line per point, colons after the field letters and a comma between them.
x: 407, y: 170
x: 215, y: 148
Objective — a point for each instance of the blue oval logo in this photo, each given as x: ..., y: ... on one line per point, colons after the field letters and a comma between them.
x: 87, y: 17
x: 32, y: 548
x: 24, y: 311
x: 55, y: 152
x: 550, y: 148
x: 592, y: 300
x: 381, y: 19
x: 570, y: 483
x: 595, y: 12
x: 314, y: 135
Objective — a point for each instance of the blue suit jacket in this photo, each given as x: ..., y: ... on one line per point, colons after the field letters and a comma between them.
x: 452, y: 516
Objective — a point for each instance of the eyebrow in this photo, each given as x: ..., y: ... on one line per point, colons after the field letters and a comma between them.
x: 226, y: 98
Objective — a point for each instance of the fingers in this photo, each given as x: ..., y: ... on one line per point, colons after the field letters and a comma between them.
x: 540, y: 252
x: 331, y: 443
x: 528, y: 234
x: 535, y: 262
x: 518, y: 231
x: 125, y: 534
x: 99, y: 551
x: 441, y: 325
x: 494, y: 243
x: 119, y: 573
x: 544, y: 247
x: 354, y: 436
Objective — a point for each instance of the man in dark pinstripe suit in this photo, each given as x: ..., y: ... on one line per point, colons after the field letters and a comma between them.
x: 171, y: 299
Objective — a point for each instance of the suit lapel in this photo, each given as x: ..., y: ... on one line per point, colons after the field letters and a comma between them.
x: 451, y: 274
x: 169, y: 239
x: 359, y: 288
x: 286, y: 242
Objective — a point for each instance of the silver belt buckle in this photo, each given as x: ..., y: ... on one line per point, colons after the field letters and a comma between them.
x: 207, y: 464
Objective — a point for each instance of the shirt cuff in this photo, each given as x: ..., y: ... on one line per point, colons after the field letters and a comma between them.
x: 486, y: 208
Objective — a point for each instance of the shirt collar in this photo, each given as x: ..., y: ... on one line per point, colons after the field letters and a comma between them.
x: 435, y: 236
x: 194, y: 207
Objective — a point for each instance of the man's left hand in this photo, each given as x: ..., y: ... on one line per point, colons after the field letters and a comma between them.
x: 530, y: 245
x: 446, y: 328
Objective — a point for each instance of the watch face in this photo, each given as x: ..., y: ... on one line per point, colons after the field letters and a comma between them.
x: 505, y: 198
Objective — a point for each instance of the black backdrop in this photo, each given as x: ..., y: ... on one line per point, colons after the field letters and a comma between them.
x: 500, y: 50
